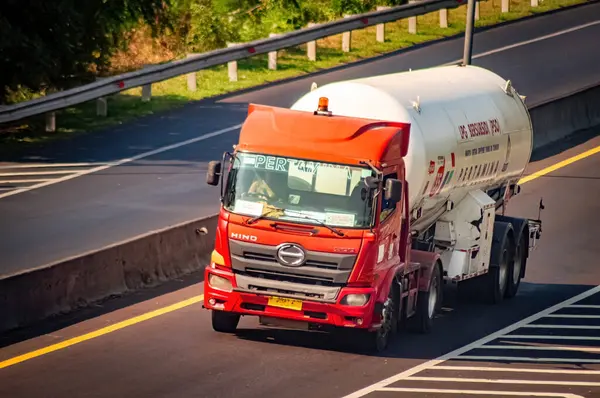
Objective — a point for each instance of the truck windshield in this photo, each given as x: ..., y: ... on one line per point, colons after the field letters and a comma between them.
x: 299, y: 190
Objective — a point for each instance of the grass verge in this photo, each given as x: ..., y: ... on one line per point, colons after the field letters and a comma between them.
x: 253, y: 72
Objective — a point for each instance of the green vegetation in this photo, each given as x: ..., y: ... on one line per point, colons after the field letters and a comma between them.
x: 198, y: 30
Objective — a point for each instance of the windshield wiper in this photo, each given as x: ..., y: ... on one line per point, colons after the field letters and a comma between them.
x: 332, y: 229
x: 299, y: 215
x: 271, y: 210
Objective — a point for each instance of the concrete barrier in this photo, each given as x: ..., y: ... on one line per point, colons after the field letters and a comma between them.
x: 141, y: 262
x: 159, y: 256
x: 557, y: 118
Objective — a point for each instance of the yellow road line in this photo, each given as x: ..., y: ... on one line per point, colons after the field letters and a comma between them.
x: 101, y: 332
x: 559, y: 165
x: 199, y: 298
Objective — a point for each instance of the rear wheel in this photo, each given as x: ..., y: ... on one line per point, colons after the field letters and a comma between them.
x: 514, y: 276
x: 495, y: 282
x: 224, y: 322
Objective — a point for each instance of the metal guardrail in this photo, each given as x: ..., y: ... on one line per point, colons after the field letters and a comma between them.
x: 157, y: 73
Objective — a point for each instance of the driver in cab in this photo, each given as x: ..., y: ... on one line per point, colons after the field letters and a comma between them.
x: 269, y: 187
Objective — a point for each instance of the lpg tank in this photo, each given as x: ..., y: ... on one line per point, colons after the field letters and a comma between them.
x: 469, y: 128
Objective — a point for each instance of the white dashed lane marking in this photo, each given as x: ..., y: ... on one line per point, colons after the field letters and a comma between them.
x: 18, y: 176
x: 554, y: 353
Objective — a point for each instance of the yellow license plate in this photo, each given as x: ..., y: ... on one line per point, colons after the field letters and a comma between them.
x: 287, y: 303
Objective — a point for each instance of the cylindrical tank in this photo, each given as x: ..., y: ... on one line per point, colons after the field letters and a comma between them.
x: 469, y: 130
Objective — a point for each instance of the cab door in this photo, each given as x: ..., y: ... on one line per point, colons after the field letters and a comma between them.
x: 389, y: 225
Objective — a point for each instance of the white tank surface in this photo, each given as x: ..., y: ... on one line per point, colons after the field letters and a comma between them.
x: 469, y: 129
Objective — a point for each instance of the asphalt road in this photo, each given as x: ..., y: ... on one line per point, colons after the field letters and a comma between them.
x: 86, y: 213
x: 178, y: 355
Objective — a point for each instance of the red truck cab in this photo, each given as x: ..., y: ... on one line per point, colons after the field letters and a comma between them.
x: 313, y: 228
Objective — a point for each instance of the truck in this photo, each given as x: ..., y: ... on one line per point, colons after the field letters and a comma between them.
x: 353, y: 208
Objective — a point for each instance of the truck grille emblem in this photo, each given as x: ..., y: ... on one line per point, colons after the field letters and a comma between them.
x: 291, y: 255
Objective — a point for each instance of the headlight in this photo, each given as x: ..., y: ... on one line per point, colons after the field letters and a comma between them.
x: 356, y: 300
x: 218, y: 282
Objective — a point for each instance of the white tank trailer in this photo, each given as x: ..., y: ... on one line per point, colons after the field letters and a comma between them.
x: 470, y: 140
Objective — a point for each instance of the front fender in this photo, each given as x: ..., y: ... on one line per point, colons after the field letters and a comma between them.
x: 428, y: 261
x: 383, y: 288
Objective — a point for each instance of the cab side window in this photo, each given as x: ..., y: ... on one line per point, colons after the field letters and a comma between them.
x: 387, y: 206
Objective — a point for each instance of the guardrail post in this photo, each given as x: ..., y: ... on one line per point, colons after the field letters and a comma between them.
x: 534, y: 3
x: 147, y: 90
x: 477, y: 10
x: 380, y: 27
x: 50, y: 122
x: 101, y: 103
x: 311, y: 46
x: 102, y: 107
x: 273, y: 54
x: 505, y: 5
x: 412, y: 21
x: 232, y: 66
x: 191, y: 77
x: 444, y: 18
x: 346, y: 39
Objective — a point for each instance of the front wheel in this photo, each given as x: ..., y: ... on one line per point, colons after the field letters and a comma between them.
x: 379, y: 340
x: 224, y: 322
x: 428, y: 303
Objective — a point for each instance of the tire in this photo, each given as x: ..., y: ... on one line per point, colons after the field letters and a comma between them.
x: 377, y: 341
x: 428, y: 304
x: 516, y: 268
x: 495, y: 281
x: 224, y: 322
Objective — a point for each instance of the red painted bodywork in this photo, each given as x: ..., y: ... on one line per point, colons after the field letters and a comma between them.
x: 284, y: 132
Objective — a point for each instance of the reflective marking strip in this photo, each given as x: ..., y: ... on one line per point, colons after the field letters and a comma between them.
x: 540, y: 348
x: 528, y: 359
x: 546, y: 337
x: 538, y: 325
x: 517, y: 370
x: 481, y: 392
x: 505, y: 381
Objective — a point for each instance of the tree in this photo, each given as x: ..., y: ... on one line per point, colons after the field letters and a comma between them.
x: 56, y: 44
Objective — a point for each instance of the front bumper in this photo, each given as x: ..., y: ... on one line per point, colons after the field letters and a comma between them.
x: 320, y: 312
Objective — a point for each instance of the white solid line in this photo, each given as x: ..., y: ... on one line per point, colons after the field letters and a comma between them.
x: 505, y: 381
x: 431, y: 363
x: 540, y: 348
x: 527, y: 359
x: 544, y: 326
x: 24, y: 181
x: 482, y: 392
x: 584, y: 306
x: 47, y: 165
x: 123, y: 161
x: 524, y: 43
x: 573, y: 316
x: 547, y: 337
x: 517, y: 370
x: 36, y: 173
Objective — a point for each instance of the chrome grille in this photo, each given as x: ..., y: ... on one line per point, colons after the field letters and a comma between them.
x: 320, y: 269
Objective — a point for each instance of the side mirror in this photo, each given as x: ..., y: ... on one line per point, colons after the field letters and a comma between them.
x: 213, y: 174
x: 393, y: 190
